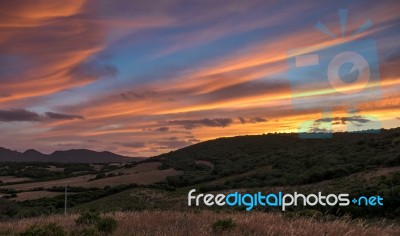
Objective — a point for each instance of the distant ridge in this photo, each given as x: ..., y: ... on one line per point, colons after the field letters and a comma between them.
x: 73, y: 156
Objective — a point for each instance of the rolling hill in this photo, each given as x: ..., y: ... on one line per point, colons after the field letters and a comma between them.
x: 353, y: 163
x: 288, y: 159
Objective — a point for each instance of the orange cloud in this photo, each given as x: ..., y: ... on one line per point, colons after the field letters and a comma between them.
x: 54, y: 44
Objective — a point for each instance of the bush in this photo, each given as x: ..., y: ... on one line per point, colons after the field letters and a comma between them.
x: 51, y: 229
x: 100, y: 176
x: 5, y: 232
x: 88, y: 218
x: 8, y: 209
x: 107, y: 225
x: 392, y: 161
x: 87, y: 231
x: 222, y: 225
x: 99, y: 224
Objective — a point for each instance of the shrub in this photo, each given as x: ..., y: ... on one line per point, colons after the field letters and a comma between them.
x: 392, y: 161
x: 100, y: 176
x: 99, y: 224
x: 87, y: 231
x: 221, y: 225
x: 174, y: 181
x: 88, y: 218
x: 8, y: 208
x: 107, y: 225
x: 51, y: 229
x: 5, y: 232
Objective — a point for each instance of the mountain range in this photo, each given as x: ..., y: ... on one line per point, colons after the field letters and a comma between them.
x: 73, y: 156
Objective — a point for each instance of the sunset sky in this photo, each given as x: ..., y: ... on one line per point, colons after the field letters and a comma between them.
x: 141, y: 78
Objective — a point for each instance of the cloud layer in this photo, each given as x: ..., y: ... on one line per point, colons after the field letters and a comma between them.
x: 26, y: 115
x: 139, y: 78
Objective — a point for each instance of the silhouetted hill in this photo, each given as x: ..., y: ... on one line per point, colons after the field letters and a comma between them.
x: 87, y: 156
x: 284, y: 159
x: 8, y: 155
x: 32, y: 155
x: 73, y: 156
x: 353, y: 163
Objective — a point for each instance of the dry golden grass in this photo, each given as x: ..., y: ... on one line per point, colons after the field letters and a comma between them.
x: 149, y: 177
x: 35, y: 195
x: 144, y: 173
x: 206, y: 163
x: 49, y: 184
x: 190, y: 223
x: 97, y: 167
x: 11, y: 179
x: 380, y: 172
x: 142, y: 167
x: 55, y: 168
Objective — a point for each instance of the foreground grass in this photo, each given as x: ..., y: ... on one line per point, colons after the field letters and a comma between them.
x: 205, y: 222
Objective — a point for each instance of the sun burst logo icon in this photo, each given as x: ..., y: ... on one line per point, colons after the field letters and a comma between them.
x: 343, y: 74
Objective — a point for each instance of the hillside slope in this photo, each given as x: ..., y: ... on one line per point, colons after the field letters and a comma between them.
x: 354, y: 163
x: 288, y: 159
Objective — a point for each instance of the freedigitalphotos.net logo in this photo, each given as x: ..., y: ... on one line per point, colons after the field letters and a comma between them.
x: 281, y: 200
x: 344, y: 74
